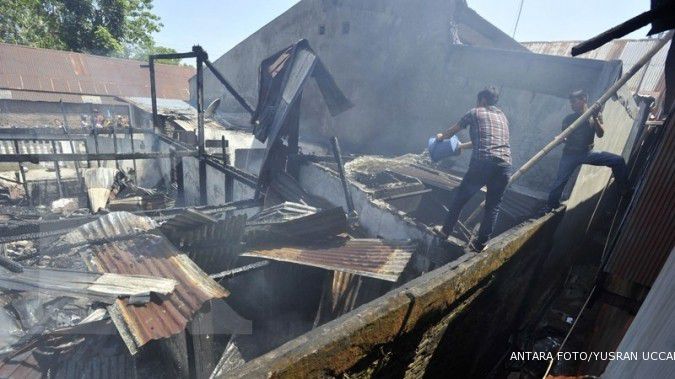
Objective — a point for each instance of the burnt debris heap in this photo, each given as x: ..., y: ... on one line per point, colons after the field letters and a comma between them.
x: 144, y: 233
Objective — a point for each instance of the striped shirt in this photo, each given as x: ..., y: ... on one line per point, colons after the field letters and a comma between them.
x: 489, y: 131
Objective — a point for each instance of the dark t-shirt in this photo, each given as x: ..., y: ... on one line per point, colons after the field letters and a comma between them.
x: 581, y: 139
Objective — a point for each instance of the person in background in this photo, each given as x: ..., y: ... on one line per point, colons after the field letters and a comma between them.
x: 579, y: 150
x: 490, y: 163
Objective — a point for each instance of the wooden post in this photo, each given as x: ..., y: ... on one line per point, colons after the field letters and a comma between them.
x: 57, y: 168
x: 23, y: 173
x: 117, y: 162
x: 201, y: 55
x: 229, y: 183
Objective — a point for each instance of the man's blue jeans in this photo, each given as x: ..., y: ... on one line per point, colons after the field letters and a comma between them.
x: 495, y: 175
x: 571, y: 160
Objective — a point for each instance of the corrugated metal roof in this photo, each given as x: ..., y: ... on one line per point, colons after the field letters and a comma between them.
x: 214, y: 246
x: 312, y: 227
x: 145, y: 254
x: 368, y: 257
x: 55, y: 97
x: 33, y: 69
x: 650, y: 80
x: 646, y: 237
x: 39, y: 146
x: 188, y: 219
x: 112, y: 225
x: 652, y: 330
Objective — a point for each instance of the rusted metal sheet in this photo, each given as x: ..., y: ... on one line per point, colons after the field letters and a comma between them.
x: 649, y: 81
x: 145, y: 254
x: 31, y: 69
x: 367, y: 257
x: 646, y: 237
x: 154, y: 255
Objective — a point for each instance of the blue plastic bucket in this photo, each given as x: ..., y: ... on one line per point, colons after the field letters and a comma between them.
x: 443, y: 149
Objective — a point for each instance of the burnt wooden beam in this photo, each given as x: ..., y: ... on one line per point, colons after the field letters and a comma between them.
x: 249, y: 179
x: 624, y: 28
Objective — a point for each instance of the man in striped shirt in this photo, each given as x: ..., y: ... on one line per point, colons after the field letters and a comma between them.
x: 490, y: 163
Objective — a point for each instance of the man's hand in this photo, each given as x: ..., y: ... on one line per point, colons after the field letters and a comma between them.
x: 596, y: 124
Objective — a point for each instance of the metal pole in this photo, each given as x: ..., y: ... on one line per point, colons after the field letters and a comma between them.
x: 23, y: 172
x: 117, y: 162
x: 72, y: 147
x: 95, y: 130
x: 585, y: 116
x: 201, y: 56
x: 229, y: 87
x: 58, y: 171
x: 86, y: 151
x: 229, y: 184
x: 343, y: 178
x: 153, y: 92
x: 131, y: 139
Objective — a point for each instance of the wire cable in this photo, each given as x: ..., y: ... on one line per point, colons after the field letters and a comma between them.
x: 515, y: 26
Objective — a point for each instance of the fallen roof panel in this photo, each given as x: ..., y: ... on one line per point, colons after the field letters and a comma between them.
x: 373, y: 258
x: 105, y: 287
x: 145, y: 254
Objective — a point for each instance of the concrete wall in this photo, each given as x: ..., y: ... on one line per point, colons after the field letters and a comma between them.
x: 407, y: 81
x: 150, y: 173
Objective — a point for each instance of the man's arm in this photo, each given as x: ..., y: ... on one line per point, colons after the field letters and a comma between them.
x: 466, y: 146
x: 596, y: 123
x: 449, y: 132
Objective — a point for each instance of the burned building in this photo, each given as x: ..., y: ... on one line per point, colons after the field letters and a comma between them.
x: 295, y: 237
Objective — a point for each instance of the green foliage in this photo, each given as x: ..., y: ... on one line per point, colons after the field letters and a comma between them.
x: 103, y: 27
x: 142, y: 53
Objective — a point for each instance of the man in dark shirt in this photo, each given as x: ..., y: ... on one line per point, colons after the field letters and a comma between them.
x: 490, y: 163
x: 579, y: 150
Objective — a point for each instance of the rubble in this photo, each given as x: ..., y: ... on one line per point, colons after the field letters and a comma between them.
x: 65, y: 206
x: 195, y: 261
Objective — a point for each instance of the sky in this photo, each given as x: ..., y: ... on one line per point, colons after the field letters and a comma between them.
x: 218, y: 25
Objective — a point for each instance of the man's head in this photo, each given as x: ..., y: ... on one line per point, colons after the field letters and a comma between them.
x: 578, y: 100
x: 488, y: 96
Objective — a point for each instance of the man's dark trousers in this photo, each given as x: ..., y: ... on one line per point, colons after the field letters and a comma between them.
x: 494, y: 174
x: 570, y: 160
